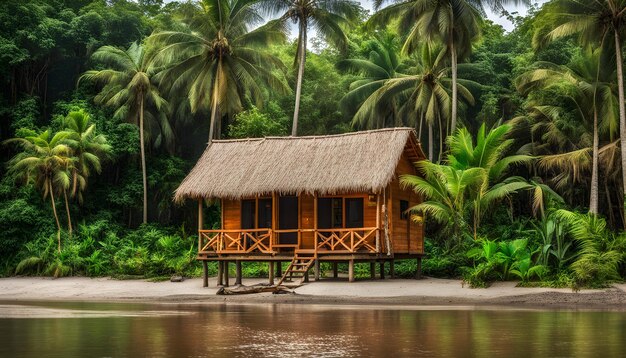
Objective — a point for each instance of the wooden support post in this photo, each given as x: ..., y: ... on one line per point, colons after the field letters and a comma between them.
x: 372, y: 269
x: 238, y: 272
x: 205, y: 274
x: 378, y: 228
x: 392, y: 269
x: 279, y: 269
x: 382, y: 269
x: 317, y: 269
x: 335, y: 270
x: 226, y: 274
x: 418, y: 274
x: 351, y: 271
x: 306, y: 276
x: 220, y: 273
x: 271, y: 272
x: 200, y: 225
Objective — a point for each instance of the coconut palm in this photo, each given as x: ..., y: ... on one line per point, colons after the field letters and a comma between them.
x: 424, y: 92
x: 382, y: 64
x: 455, y: 23
x: 88, y: 149
x: 599, y: 23
x: 219, y: 60
x: 128, y: 87
x: 44, y: 162
x: 324, y: 16
x: 586, y: 84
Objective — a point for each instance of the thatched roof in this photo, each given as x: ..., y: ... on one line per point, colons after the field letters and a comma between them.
x: 352, y: 162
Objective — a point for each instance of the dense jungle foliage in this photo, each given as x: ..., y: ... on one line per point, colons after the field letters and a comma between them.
x: 107, y: 104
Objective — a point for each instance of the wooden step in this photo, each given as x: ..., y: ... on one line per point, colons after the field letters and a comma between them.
x: 300, y: 264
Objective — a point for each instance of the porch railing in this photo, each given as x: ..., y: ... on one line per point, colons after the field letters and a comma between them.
x: 326, y: 241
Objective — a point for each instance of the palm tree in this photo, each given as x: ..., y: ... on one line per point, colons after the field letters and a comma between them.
x: 88, y: 149
x: 44, y: 161
x: 129, y: 88
x: 219, y: 61
x: 425, y: 94
x: 597, y: 23
x: 455, y: 23
x: 381, y: 65
x: 587, y: 84
x: 489, y: 154
x: 325, y: 16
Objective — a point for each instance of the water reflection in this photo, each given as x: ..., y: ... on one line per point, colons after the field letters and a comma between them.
x: 298, y: 330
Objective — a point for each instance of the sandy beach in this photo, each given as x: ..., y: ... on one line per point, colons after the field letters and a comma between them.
x: 428, y: 291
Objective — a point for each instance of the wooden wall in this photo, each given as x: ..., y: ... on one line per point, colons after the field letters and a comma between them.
x: 408, y: 236
x: 231, y: 214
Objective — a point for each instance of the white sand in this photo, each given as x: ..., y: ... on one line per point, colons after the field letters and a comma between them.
x: 83, y: 288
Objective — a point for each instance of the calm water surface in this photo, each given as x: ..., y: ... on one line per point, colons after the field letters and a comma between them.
x: 172, y: 330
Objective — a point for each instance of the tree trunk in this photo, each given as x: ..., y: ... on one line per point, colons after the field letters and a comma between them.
x: 67, y: 211
x: 143, y: 162
x: 56, y: 217
x: 593, y: 200
x: 302, y: 52
x: 454, y: 89
x: 622, y: 115
x: 430, y: 141
x: 215, y: 103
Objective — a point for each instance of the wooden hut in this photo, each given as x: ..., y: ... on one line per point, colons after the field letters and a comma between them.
x: 307, y: 200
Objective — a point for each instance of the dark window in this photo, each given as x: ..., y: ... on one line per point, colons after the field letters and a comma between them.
x: 288, y: 219
x: 329, y: 213
x: 247, y: 214
x: 404, y: 206
x: 264, y: 213
x: 354, y: 212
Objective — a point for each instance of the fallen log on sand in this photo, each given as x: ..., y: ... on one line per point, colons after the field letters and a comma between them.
x: 258, y: 288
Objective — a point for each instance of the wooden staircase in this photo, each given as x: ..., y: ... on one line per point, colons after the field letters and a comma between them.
x: 301, y: 263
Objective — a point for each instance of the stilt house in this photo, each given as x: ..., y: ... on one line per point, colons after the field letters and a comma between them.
x: 307, y: 200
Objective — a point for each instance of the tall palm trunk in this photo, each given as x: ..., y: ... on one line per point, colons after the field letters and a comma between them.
x: 214, y: 102
x: 67, y: 212
x: 56, y: 217
x: 593, y: 199
x: 454, y: 89
x: 430, y: 141
x: 622, y: 115
x: 302, y: 53
x: 143, y: 161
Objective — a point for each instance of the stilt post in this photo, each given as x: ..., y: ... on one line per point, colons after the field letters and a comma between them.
x: 351, y: 271
x: 418, y: 274
x: 271, y: 271
x: 317, y: 269
x: 205, y: 274
x: 220, y: 273
x: 226, y: 274
x: 382, y: 269
x: 392, y: 269
x: 238, y: 272
x: 335, y: 270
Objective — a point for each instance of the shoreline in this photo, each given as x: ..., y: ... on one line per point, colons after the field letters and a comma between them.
x: 390, y: 293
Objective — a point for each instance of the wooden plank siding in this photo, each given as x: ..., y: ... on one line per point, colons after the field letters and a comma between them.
x: 408, y: 236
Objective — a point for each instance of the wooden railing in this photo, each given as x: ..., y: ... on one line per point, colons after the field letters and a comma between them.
x: 236, y: 241
x: 327, y: 241
x: 348, y: 240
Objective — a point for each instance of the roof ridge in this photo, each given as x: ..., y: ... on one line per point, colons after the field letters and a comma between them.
x: 316, y: 136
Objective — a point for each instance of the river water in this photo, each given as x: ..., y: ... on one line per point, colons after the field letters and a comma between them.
x: 62, y: 329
